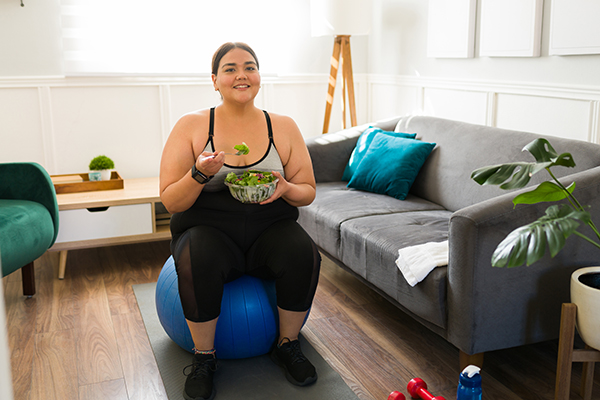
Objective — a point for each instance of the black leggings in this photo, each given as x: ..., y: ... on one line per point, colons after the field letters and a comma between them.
x: 265, y: 242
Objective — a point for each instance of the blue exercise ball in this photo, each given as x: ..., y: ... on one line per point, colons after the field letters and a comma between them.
x: 247, y: 326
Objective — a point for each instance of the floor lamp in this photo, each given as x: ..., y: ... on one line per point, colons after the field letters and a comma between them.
x: 341, y: 19
x: 341, y: 46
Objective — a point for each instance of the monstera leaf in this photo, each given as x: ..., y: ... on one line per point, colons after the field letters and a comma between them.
x: 527, y: 244
x: 545, y: 157
x: 545, y: 192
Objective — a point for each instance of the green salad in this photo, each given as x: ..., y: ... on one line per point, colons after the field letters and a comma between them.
x: 242, y: 148
x: 250, y: 178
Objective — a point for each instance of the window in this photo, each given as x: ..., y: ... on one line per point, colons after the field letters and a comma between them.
x: 176, y: 36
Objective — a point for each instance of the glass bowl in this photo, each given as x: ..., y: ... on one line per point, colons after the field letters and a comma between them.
x: 252, y: 194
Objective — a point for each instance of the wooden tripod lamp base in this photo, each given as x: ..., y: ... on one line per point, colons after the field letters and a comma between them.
x: 341, y: 46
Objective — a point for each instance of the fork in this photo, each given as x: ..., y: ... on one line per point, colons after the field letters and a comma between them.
x: 239, y: 153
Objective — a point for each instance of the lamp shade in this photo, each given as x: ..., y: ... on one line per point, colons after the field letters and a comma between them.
x: 340, y: 17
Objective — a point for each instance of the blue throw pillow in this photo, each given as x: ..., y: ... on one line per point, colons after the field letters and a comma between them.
x: 390, y: 165
x: 362, y: 145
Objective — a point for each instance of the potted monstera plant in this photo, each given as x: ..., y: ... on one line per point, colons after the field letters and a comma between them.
x: 528, y: 243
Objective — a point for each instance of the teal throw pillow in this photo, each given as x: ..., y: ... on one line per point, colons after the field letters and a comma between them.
x: 362, y: 145
x: 390, y: 165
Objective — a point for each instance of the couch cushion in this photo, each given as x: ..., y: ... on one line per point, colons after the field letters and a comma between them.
x: 390, y: 165
x: 26, y: 232
x: 369, y: 247
x: 362, y: 146
x: 335, y: 204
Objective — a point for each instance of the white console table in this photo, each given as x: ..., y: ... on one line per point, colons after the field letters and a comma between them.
x: 110, y: 217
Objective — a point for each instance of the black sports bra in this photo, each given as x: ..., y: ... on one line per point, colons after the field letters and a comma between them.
x: 270, y: 161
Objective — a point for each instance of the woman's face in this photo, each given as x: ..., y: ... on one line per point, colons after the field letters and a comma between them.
x: 237, y: 78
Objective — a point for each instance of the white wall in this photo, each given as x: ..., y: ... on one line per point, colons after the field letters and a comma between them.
x: 30, y: 42
x: 551, y: 95
x: 398, y: 46
x: 63, y: 122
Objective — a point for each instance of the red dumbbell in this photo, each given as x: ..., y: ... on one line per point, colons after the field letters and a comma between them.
x: 395, y: 395
x: 417, y: 388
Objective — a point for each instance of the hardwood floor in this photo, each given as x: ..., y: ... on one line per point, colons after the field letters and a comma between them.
x: 83, y: 337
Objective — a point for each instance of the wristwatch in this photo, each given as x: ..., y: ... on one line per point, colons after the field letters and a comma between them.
x: 199, y: 176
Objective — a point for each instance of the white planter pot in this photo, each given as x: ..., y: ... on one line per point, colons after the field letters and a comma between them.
x: 585, y: 293
x: 106, y: 174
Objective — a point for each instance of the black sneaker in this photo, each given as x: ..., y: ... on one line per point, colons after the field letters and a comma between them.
x: 298, y: 370
x: 199, y: 382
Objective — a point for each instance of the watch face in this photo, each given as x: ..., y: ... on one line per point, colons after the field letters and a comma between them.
x: 199, y: 176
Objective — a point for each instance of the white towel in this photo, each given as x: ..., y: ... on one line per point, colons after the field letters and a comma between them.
x: 416, y: 262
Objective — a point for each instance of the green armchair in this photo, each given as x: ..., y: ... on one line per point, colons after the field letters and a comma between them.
x: 28, y: 218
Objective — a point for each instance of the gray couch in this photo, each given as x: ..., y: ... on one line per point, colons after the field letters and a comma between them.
x: 473, y: 305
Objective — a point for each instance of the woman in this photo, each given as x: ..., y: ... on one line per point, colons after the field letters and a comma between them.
x: 215, y: 238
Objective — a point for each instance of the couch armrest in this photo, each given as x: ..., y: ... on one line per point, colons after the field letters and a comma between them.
x: 330, y: 152
x: 493, y: 308
x: 29, y: 181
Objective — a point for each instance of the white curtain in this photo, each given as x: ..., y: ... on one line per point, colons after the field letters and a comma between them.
x: 175, y: 36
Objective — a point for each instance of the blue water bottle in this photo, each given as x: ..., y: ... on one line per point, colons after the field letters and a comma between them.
x: 469, y: 384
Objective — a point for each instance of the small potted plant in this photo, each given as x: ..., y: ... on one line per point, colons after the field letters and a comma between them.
x: 100, y: 168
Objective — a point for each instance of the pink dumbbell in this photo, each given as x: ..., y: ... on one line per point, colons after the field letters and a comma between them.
x: 417, y: 388
x: 395, y: 395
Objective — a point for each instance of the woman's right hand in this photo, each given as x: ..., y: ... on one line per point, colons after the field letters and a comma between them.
x: 210, y: 163
x: 181, y: 194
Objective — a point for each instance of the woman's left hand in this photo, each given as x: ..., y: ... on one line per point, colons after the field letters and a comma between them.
x: 280, y: 189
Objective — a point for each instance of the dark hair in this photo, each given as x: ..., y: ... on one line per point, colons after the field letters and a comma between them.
x: 226, y: 48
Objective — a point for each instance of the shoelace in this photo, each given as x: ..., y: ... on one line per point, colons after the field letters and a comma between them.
x: 295, y: 352
x: 200, y: 369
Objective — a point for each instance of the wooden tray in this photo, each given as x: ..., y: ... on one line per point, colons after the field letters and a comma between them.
x: 74, y: 183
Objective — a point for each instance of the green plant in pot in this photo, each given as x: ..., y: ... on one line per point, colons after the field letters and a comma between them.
x: 528, y: 243
x: 100, y: 168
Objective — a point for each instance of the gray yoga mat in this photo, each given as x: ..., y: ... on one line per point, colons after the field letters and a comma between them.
x: 251, y: 378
